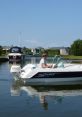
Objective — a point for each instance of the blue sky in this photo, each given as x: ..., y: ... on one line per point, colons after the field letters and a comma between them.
x: 45, y: 23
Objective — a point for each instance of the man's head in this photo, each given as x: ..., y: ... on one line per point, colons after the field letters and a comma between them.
x: 45, y: 55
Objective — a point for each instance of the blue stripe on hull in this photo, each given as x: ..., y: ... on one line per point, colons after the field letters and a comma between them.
x: 58, y: 74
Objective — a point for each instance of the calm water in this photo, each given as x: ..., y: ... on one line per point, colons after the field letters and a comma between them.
x: 17, y: 100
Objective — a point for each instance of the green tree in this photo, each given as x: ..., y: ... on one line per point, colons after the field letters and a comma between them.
x: 27, y: 50
x: 52, y: 52
x: 76, y: 48
x: 1, y: 50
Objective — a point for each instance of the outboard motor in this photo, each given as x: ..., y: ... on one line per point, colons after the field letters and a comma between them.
x: 15, y: 69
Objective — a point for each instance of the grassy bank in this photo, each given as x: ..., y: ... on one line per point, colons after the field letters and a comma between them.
x: 72, y: 57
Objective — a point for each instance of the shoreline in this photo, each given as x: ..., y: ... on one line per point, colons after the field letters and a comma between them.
x: 3, y: 59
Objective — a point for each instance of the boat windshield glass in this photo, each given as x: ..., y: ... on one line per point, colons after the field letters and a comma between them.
x: 58, y: 59
x: 15, y: 50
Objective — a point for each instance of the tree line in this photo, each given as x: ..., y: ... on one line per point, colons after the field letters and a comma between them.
x: 74, y: 49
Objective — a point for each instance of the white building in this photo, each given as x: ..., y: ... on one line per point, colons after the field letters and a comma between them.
x: 36, y: 50
x: 64, y: 51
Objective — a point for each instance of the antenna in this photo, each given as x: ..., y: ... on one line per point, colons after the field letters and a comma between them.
x: 19, y: 39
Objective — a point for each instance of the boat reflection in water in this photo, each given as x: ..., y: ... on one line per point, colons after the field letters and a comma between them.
x: 44, y: 94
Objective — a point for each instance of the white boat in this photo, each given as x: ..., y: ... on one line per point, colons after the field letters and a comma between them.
x: 63, y: 74
x: 16, y: 54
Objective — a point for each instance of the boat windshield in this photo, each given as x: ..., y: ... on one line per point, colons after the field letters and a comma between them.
x: 59, y: 61
x: 15, y: 50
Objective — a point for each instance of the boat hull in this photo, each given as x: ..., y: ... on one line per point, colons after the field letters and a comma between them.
x: 70, y: 74
x: 16, y: 58
x: 54, y: 81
